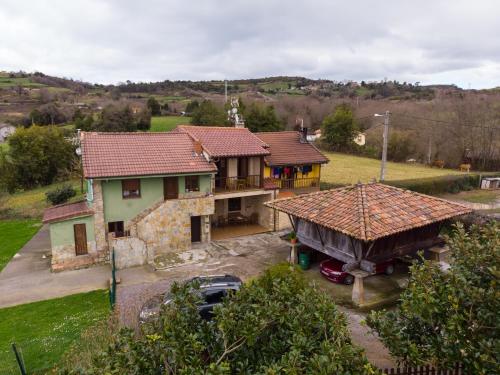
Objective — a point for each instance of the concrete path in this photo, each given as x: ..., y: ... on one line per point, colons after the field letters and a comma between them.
x: 27, y: 277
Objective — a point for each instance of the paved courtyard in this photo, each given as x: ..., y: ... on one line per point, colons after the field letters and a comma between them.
x: 247, y: 257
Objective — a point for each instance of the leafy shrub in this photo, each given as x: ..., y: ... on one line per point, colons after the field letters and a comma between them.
x: 36, y: 156
x: 323, y: 185
x: 275, y: 324
x: 449, y: 317
x: 439, y: 185
x: 60, y: 195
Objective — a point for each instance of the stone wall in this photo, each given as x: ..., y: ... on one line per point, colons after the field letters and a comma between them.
x: 64, y: 258
x: 167, y: 229
x: 129, y: 251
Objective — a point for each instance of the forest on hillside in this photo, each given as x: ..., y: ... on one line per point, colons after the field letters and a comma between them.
x: 441, y: 122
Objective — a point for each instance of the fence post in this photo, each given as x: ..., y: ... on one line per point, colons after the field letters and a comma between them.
x: 19, y: 359
x: 112, y: 287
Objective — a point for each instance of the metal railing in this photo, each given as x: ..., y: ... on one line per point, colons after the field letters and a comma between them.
x: 297, y: 183
x: 224, y: 184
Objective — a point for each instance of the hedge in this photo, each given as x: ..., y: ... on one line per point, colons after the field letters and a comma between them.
x: 432, y: 185
x: 440, y: 185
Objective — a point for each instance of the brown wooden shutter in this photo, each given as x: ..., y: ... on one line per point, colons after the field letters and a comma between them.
x: 80, y: 231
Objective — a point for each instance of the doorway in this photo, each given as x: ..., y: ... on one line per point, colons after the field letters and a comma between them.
x: 80, y: 232
x: 195, y: 228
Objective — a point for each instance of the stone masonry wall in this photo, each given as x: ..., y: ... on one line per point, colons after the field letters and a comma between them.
x: 129, y: 251
x: 64, y: 258
x: 167, y: 229
x: 99, y: 223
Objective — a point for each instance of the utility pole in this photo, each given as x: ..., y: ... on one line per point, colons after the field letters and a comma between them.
x: 384, y: 143
x: 225, y: 91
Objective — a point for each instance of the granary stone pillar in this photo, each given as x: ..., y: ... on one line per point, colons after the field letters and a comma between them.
x: 358, y: 289
x: 294, y: 247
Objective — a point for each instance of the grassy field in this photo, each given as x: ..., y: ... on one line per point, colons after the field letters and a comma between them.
x: 348, y: 169
x: 31, y: 203
x: 45, y: 330
x: 478, y: 196
x: 7, y: 82
x: 13, y: 235
x: 167, y: 123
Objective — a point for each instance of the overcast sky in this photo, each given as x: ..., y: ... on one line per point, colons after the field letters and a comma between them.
x: 430, y: 41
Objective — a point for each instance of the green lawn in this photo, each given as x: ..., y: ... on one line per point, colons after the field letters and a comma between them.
x: 167, y: 123
x: 32, y: 203
x: 45, y: 330
x: 477, y: 196
x: 7, y: 82
x: 348, y: 169
x: 13, y: 235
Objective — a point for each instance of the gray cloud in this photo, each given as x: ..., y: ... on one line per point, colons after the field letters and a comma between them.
x: 440, y: 41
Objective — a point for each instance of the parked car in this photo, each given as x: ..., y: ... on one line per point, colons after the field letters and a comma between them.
x: 212, y: 290
x: 332, y: 270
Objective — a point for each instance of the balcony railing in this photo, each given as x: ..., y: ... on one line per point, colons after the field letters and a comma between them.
x: 297, y: 183
x: 226, y: 184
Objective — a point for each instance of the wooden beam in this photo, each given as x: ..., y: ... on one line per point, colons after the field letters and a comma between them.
x: 319, y: 234
x: 290, y: 217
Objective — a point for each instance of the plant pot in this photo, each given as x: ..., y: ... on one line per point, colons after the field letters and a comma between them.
x: 293, y: 240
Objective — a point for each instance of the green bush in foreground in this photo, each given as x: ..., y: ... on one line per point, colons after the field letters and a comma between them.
x: 276, y: 324
x: 449, y: 317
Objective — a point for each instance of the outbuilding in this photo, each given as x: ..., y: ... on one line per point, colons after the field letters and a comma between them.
x: 366, y: 224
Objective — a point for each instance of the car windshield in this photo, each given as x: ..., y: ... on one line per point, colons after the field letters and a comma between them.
x: 213, y: 296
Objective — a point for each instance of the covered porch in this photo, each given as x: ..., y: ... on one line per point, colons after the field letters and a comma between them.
x: 242, y: 214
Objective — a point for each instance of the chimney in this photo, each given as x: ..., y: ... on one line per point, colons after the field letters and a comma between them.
x: 198, y: 148
x: 303, y: 135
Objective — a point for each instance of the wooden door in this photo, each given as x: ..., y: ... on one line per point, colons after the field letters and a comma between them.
x: 80, y: 239
x: 170, y: 188
x: 195, y: 228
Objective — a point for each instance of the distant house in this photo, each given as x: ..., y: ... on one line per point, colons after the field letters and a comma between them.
x: 5, y: 131
x: 314, y: 136
x: 360, y: 139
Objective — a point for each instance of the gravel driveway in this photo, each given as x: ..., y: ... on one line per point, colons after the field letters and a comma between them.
x: 244, y: 257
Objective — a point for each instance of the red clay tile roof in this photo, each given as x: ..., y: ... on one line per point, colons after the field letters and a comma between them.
x: 286, y: 149
x: 221, y: 141
x: 269, y: 184
x: 66, y: 211
x: 369, y: 211
x: 140, y: 154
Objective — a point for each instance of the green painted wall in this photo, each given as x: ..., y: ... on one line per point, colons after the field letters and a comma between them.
x: 118, y: 209
x: 62, y: 233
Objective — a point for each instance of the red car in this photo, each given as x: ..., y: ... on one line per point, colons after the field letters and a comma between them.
x: 332, y: 270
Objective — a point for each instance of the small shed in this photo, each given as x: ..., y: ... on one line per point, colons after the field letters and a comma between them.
x: 490, y: 183
x: 5, y: 131
x: 366, y: 224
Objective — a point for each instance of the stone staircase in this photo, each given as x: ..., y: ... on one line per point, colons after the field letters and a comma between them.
x: 132, y: 226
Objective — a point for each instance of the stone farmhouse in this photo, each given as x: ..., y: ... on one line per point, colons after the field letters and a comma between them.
x: 152, y: 195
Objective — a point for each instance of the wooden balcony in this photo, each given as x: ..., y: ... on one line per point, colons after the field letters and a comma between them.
x: 229, y: 184
x: 297, y: 183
